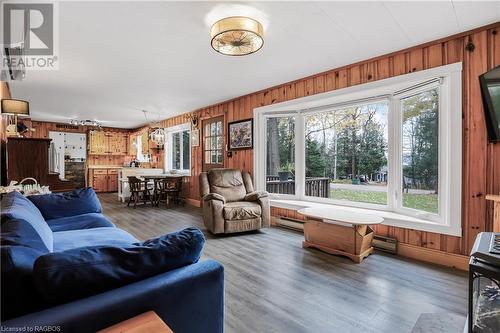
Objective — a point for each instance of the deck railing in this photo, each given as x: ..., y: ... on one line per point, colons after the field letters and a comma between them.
x: 314, y: 187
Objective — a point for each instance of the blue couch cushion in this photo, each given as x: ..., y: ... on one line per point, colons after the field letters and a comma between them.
x: 84, y: 221
x: 20, y: 246
x: 15, y: 206
x: 73, y: 274
x: 77, y: 202
x: 71, y: 239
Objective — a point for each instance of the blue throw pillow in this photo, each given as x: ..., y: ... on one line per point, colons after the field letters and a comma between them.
x: 15, y: 206
x: 77, y: 202
x: 73, y: 274
x: 20, y: 246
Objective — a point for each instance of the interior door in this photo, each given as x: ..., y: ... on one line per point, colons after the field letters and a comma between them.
x: 213, y: 143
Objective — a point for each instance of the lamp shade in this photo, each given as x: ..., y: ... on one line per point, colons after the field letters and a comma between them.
x: 15, y: 107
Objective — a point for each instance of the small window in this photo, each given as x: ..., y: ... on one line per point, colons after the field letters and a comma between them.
x: 178, y: 149
x: 140, y: 155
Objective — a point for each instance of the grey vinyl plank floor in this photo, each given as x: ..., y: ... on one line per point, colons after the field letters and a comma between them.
x: 272, y: 284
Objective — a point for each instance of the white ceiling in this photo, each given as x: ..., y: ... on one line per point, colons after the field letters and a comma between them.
x: 117, y: 58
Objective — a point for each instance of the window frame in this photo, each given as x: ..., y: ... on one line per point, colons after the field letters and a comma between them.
x: 345, y: 202
x: 397, y: 160
x: 297, y: 183
x: 221, y: 119
x: 449, y: 82
x: 169, y: 132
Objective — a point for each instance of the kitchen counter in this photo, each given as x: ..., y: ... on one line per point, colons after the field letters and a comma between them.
x: 105, y: 166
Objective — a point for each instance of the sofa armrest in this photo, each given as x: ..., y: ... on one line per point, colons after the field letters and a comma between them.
x: 214, y: 196
x: 256, y: 195
x: 172, y: 295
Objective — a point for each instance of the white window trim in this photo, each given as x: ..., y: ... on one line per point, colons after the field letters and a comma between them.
x: 450, y: 152
x: 168, y: 149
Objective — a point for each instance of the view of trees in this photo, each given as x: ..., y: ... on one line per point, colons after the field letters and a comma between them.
x: 350, y: 146
x: 280, y: 144
x: 347, y: 143
x: 339, y: 144
x: 420, y: 141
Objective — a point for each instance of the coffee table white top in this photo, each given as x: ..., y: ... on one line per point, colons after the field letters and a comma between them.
x: 335, y: 214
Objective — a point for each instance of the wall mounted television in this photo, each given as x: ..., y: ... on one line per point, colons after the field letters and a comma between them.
x: 490, y: 90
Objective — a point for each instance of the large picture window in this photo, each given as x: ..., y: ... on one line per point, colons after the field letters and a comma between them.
x: 393, y: 146
x: 346, y: 153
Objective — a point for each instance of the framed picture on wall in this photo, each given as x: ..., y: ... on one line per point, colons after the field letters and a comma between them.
x: 195, y: 137
x: 240, y: 134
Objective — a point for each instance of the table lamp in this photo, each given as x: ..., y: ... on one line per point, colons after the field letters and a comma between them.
x: 14, y: 108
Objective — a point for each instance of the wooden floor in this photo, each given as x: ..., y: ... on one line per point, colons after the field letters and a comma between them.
x: 274, y: 285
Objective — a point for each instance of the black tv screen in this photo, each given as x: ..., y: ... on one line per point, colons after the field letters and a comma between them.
x: 490, y: 90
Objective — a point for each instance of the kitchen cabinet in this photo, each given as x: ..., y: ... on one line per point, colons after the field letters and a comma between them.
x: 98, y: 143
x: 117, y: 143
x: 132, y: 145
x: 108, y: 143
x: 113, y: 180
x: 104, y: 180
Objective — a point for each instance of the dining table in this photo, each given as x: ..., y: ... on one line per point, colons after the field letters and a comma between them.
x: 155, y: 178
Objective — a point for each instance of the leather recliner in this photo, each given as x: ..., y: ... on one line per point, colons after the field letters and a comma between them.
x: 230, y: 203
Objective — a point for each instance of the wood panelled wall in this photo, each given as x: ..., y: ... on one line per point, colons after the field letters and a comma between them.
x: 481, y: 161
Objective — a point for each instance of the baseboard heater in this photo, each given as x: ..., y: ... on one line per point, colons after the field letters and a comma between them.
x: 290, y: 223
x: 385, y: 244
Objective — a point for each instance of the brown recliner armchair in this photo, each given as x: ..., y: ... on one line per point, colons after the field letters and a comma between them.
x: 230, y: 203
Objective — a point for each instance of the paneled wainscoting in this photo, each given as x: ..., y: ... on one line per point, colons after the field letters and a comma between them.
x: 272, y: 284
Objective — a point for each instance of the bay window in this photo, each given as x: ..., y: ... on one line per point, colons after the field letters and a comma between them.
x: 390, y: 146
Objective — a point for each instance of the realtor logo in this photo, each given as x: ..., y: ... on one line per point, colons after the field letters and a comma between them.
x: 29, y: 37
x: 31, y: 23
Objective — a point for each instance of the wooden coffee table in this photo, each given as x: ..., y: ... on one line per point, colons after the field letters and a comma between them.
x: 148, y: 322
x: 339, y: 232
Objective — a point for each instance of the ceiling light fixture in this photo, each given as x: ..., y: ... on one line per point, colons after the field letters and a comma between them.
x: 158, y: 134
x: 237, y: 36
x: 86, y: 122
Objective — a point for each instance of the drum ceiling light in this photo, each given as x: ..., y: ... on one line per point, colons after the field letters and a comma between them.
x: 237, y: 36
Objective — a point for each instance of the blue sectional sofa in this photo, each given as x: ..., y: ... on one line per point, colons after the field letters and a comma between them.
x: 65, y: 267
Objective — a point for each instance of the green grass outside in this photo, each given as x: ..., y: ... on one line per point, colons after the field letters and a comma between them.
x: 341, y: 181
x: 425, y: 202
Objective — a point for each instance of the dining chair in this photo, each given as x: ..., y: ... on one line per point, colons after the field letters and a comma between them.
x: 161, y: 191
x: 139, y: 190
x: 173, y: 189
